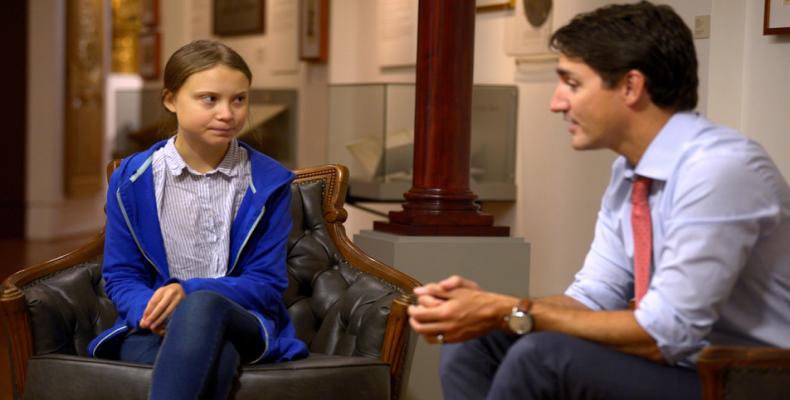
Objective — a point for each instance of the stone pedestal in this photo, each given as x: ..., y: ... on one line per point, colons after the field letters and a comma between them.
x: 499, y: 264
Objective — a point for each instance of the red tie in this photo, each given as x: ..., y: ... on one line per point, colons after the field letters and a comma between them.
x: 643, y: 235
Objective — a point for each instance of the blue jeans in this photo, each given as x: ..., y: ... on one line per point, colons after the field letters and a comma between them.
x: 207, y: 337
x: 548, y: 365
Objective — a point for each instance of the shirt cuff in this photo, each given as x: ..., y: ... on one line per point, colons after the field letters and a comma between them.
x: 667, y: 328
x: 578, y: 295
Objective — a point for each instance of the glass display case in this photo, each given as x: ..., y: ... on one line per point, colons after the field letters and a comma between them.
x: 140, y: 120
x: 371, y: 130
x: 272, y: 124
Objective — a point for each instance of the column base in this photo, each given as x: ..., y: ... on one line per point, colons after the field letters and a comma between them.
x: 499, y: 264
x: 441, y: 230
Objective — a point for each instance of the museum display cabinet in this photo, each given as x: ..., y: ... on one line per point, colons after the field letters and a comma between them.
x: 371, y: 130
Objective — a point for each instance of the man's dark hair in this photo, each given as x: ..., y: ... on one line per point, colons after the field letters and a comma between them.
x: 650, y: 38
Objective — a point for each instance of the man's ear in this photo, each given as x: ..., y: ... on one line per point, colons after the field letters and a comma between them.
x: 168, y: 100
x: 633, y: 87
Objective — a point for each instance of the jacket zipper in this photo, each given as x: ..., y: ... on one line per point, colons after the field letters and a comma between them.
x: 131, y: 230
x: 246, y: 239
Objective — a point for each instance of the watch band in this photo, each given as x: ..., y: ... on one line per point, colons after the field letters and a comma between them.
x: 524, y: 305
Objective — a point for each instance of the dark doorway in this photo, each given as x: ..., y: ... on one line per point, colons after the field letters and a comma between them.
x: 13, y: 47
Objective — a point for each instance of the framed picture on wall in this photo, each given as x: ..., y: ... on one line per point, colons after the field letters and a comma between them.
x: 313, y: 30
x: 149, y: 55
x: 238, y: 17
x: 776, y: 20
x: 494, y: 5
x: 527, y: 32
x: 149, y: 12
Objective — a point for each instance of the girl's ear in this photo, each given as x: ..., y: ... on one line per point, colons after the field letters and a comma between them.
x: 168, y: 100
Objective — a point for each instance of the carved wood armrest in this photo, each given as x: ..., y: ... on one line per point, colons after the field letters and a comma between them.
x: 714, y: 363
x: 18, y: 335
x: 13, y: 307
x: 721, y: 356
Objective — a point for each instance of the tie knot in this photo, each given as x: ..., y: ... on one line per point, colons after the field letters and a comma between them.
x: 640, y: 189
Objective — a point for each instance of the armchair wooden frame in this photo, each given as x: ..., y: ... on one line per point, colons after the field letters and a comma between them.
x: 714, y: 363
x: 397, y: 344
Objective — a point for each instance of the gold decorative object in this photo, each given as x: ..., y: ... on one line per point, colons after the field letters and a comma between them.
x: 84, y: 100
x: 125, y: 36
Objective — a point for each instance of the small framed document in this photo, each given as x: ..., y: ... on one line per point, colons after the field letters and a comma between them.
x: 494, y: 5
x: 527, y: 32
x: 776, y: 20
x: 238, y: 17
x: 313, y: 30
x: 149, y: 55
x: 149, y: 12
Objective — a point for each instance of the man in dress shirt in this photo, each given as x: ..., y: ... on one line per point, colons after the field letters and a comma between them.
x: 717, y: 264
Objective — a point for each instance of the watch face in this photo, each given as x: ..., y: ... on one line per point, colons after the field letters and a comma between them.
x: 520, y: 322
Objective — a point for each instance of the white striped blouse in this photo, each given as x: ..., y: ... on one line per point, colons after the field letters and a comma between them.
x: 196, y: 210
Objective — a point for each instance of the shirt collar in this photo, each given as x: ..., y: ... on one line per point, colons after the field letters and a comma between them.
x: 663, y: 152
x: 176, y: 165
x: 229, y: 163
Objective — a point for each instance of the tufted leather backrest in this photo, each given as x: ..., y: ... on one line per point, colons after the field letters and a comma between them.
x: 335, y: 308
x: 68, y: 309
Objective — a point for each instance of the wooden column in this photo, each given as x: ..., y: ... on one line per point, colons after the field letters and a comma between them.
x: 84, y: 105
x: 440, y: 202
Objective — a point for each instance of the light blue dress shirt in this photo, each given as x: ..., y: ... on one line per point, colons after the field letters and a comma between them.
x: 720, y: 213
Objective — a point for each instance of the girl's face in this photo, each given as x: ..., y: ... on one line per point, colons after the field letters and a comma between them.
x: 211, y: 105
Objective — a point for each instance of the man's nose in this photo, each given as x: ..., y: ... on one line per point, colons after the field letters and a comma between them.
x: 558, y: 103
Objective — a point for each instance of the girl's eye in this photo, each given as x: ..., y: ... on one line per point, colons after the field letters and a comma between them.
x: 240, y: 99
x: 209, y: 99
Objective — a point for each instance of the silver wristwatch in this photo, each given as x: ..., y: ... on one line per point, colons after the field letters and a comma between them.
x: 520, y: 321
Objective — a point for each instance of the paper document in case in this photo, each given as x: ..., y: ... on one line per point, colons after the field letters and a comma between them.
x: 396, y: 151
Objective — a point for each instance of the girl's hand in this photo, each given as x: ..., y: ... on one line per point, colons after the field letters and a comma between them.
x: 161, y: 306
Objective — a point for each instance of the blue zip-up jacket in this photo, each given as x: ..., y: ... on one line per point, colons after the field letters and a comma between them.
x: 135, y: 263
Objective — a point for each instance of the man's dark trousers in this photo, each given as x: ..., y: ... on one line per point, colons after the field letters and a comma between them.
x: 548, y: 365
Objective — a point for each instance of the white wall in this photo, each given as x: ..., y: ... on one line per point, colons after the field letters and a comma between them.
x: 187, y: 20
x: 353, y: 45
x: 765, y: 104
x: 748, y: 85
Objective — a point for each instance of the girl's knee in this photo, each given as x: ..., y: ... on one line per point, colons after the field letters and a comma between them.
x: 203, y: 299
x: 200, y: 305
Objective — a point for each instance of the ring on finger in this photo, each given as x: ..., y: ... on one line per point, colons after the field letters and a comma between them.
x: 440, y: 338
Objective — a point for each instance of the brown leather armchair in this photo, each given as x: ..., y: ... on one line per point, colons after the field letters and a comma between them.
x: 744, y: 373
x: 349, y: 308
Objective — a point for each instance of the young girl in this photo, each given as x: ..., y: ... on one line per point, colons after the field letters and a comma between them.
x: 197, y: 225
